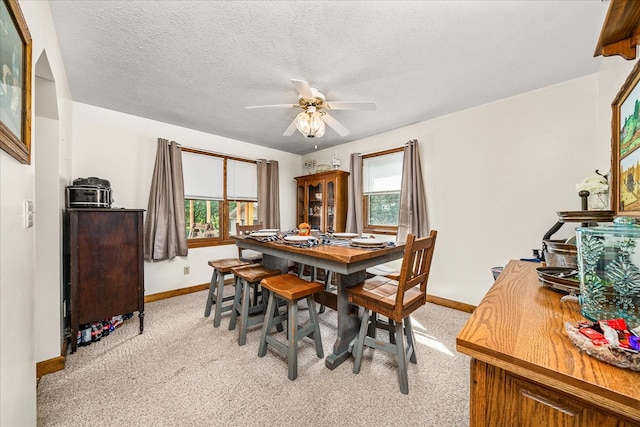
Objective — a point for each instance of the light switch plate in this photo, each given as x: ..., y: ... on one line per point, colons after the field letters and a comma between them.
x: 28, y: 213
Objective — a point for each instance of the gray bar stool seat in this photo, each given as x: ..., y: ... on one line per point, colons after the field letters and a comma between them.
x: 292, y: 289
x: 216, y: 288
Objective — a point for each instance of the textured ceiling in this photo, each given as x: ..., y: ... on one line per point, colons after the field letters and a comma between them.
x: 197, y: 64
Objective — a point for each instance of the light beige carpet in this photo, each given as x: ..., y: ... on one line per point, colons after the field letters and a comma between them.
x: 184, y: 372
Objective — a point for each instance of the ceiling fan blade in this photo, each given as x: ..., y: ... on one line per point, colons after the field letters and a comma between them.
x: 352, y: 105
x: 272, y: 106
x: 303, y: 88
x: 335, y: 125
x: 291, y: 129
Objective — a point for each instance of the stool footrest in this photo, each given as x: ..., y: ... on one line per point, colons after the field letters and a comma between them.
x: 224, y: 299
x: 281, y: 318
x: 281, y: 347
x: 306, y: 331
x: 251, y: 321
x: 256, y: 309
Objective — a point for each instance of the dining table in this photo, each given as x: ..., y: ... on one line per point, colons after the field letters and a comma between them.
x: 347, y: 262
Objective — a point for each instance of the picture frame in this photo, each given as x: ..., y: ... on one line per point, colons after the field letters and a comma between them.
x: 15, y: 82
x: 625, y: 147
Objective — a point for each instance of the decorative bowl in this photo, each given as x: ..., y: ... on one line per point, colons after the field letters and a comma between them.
x: 559, y: 253
x: 318, y: 196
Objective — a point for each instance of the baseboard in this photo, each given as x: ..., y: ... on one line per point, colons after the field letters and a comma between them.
x: 53, y: 365
x: 49, y: 366
x: 451, y: 304
x: 175, y: 292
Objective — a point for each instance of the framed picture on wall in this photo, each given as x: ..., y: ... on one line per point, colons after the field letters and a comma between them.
x: 15, y: 82
x: 625, y: 149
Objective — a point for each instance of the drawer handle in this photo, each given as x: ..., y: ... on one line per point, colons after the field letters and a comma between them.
x: 545, y: 401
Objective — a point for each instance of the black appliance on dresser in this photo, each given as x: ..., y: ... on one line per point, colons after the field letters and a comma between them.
x: 89, y: 192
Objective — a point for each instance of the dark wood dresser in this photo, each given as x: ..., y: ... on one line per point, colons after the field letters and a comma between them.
x: 106, y: 268
x: 525, y: 371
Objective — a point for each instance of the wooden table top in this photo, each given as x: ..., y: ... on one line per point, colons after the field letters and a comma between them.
x: 519, y: 327
x: 336, y: 255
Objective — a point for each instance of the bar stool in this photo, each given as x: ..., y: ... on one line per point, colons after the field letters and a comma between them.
x: 248, y: 276
x: 216, y: 288
x: 292, y: 289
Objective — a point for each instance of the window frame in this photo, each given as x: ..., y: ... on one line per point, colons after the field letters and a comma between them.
x: 225, y: 235
x: 375, y: 228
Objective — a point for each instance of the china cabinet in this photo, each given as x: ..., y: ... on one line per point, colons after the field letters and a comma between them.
x: 321, y: 200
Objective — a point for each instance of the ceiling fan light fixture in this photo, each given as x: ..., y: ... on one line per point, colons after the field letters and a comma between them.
x: 310, y: 123
x: 321, y: 130
x: 314, y: 118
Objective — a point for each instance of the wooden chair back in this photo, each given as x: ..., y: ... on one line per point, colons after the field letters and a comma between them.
x: 242, y: 230
x: 414, y: 275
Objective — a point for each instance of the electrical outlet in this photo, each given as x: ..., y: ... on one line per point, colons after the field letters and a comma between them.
x: 187, y: 270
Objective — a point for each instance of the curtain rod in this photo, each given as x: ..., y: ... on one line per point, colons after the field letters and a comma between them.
x: 391, y: 150
x: 219, y: 154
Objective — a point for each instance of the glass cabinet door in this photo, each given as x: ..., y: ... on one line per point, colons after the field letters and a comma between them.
x: 301, y: 202
x: 315, y: 196
x: 331, y: 208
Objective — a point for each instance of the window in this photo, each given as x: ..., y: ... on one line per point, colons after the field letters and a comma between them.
x: 381, y: 181
x: 219, y: 191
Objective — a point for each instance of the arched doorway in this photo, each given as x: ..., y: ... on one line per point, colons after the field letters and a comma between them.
x: 49, y: 206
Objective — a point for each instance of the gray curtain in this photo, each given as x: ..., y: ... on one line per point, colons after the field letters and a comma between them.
x: 354, y: 205
x: 268, y: 193
x: 164, y: 228
x: 412, y: 218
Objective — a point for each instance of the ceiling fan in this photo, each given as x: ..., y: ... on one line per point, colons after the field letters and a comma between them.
x: 311, y: 120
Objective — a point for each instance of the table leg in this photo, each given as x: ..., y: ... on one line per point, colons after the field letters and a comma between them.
x: 275, y: 263
x: 348, y: 322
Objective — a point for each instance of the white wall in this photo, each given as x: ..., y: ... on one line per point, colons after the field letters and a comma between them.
x: 122, y: 148
x: 48, y: 255
x: 18, y: 263
x: 496, y: 175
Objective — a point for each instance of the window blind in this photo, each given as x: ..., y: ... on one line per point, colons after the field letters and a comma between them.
x: 242, y: 180
x: 382, y: 174
x: 203, y: 176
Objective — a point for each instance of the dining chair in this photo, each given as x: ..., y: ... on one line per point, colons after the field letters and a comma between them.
x: 247, y: 254
x: 395, y: 299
